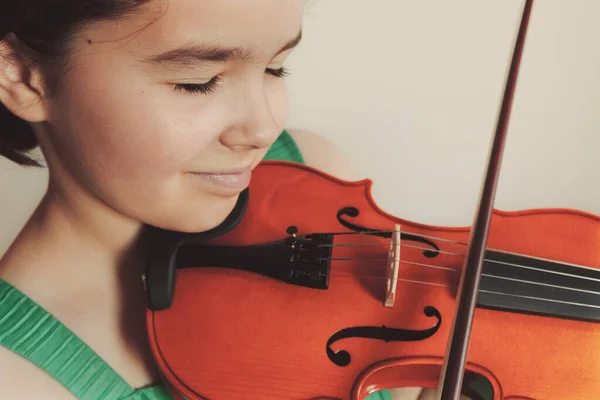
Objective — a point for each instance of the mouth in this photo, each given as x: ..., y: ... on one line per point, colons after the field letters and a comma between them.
x: 233, y: 180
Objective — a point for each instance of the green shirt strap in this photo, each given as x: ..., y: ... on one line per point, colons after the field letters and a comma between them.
x: 30, y: 331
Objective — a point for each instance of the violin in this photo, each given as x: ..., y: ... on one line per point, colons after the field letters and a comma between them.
x: 309, y: 290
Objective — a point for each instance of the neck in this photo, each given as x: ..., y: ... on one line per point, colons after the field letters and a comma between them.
x: 75, y: 243
x: 82, y: 261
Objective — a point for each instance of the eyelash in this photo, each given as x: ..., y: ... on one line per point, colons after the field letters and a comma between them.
x: 209, y: 87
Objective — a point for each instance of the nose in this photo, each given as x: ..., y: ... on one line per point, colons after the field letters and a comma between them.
x: 254, y: 125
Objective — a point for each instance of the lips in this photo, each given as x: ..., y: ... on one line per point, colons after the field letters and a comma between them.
x: 236, y: 181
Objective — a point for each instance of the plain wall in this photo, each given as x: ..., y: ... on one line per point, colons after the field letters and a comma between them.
x: 410, y: 91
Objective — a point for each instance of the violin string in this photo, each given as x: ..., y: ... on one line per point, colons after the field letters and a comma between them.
x: 387, y: 245
x: 454, y: 270
x: 542, y: 284
x: 486, y: 291
x: 429, y: 266
x: 543, y: 299
x: 386, y: 260
x: 481, y: 290
x: 508, y: 264
x: 544, y: 270
x: 383, y: 278
x: 428, y: 249
x: 514, y: 265
x: 371, y: 232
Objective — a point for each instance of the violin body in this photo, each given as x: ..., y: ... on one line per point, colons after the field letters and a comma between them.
x: 330, y: 327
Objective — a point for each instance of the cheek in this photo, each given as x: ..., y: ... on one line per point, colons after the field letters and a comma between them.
x: 132, y: 133
x: 131, y: 147
x: 278, y: 102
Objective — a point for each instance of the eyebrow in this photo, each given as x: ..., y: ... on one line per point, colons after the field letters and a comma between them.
x: 191, y: 54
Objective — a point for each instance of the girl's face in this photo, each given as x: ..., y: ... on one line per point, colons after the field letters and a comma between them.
x: 161, y: 115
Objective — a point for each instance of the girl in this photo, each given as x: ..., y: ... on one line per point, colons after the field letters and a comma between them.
x: 146, y: 112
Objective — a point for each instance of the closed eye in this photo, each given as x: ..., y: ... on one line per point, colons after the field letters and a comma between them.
x: 210, y: 86
x: 279, y: 73
x: 204, y: 88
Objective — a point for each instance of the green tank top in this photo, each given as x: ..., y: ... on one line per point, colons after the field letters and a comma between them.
x: 30, y: 331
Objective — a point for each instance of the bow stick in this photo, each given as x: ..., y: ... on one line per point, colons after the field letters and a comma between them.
x: 450, y: 385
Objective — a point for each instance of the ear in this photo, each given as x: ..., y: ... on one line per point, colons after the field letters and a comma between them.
x: 21, y: 89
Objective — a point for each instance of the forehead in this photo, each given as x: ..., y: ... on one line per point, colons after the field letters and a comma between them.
x: 261, y: 25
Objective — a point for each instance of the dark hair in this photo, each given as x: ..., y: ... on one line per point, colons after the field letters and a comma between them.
x: 42, y: 31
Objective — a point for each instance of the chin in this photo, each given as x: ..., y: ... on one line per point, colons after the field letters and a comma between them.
x: 204, y: 220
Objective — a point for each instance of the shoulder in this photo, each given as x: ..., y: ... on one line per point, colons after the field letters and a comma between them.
x: 322, y: 154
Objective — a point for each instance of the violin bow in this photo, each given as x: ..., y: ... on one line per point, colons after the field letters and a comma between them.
x: 451, y: 379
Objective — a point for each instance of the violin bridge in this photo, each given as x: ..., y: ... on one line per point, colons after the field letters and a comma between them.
x: 393, y: 267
